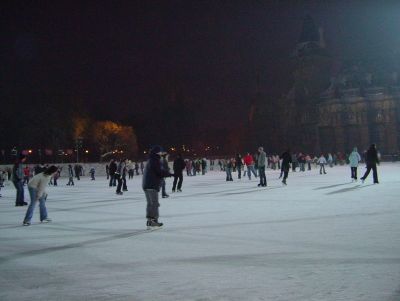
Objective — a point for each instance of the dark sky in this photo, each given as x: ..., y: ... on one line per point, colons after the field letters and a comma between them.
x: 122, y: 56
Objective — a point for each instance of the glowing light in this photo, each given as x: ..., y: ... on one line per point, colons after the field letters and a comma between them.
x: 86, y: 151
x: 30, y: 151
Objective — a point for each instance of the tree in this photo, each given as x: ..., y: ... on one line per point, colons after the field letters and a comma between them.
x: 109, y: 136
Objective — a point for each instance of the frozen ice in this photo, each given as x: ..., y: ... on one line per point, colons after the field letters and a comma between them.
x: 322, y: 237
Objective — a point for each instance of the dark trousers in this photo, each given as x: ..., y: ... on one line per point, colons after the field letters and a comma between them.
x: 113, y: 180
x: 124, y: 187
x: 374, y: 172
x: 239, y: 168
x: 71, y: 181
x: 285, y: 170
x: 19, y: 186
x: 163, y: 191
x: 354, y: 173
x: 118, y: 178
x: 263, y: 178
x: 176, y: 178
x: 152, y: 203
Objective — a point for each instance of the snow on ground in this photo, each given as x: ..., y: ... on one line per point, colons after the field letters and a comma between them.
x: 320, y: 238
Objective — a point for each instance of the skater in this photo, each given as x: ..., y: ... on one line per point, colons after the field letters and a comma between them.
x: 118, y: 176
x: 261, y: 167
x: 70, y: 175
x: 239, y: 164
x: 17, y: 179
x: 286, y: 160
x: 249, y: 162
x: 165, y: 167
x: 36, y: 187
x: 371, y: 159
x: 124, y: 172
x: 56, y: 176
x: 27, y: 173
x: 137, y: 168
x: 92, y: 171
x: 77, y: 169
x: 107, y: 171
x: 354, y: 160
x: 179, y: 166
x: 203, y: 166
x: 322, y: 162
x: 112, y: 169
x: 228, y: 169
x: 152, y: 176
x: 330, y: 160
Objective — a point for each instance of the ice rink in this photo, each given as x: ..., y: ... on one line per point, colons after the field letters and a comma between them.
x: 322, y: 237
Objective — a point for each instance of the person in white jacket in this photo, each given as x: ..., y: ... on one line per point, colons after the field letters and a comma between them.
x: 322, y: 162
x: 37, y: 191
x: 354, y: 160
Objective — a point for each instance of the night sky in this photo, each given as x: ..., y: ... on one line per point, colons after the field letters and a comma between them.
x: 122, y: 58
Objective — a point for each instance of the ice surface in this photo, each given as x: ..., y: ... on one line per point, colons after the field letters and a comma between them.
x: 320, y: 238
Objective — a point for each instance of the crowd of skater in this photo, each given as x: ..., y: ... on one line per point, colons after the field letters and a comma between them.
x: 157, y: 168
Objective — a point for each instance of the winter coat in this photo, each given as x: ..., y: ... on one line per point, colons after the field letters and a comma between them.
x: 322, y: 160
x: 40, y: 182
x: 17, y: 172
x: 70, y: 172
x: 286, y: 160
x: 261, y: 159
x: 248, y: 160
x: 354, y: 159
x: 179, y: 166
x: 153, y: 173
x: 239, y: 162
x: 113, y: 168
x: 371, y: 156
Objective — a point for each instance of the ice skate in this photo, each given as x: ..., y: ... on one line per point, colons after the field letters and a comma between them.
x: 46, y: 220
x: 153, y: 224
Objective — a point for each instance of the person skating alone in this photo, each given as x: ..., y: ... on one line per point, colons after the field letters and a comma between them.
x: 286, y: 160
x: 261, y: 167
x: 322, y: 162
x: 371, y: 159
x: 152, y: 176
x: 354, y: 160
x: 118, y: 176
x: 37, y: 191
x: 179, y: 166
x: 17, y: 179
x: 70, y: 175
x: 164, y: 166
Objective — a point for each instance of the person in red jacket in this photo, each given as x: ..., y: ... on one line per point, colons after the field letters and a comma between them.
x: 249, y: 162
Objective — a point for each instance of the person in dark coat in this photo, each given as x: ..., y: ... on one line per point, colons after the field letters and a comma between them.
x: 179, y: 166
x: 77, y: 169
x: 164, y: 166
x: 70, y: 176
x: 17, y: 179
x: 286, y: 158
x: 239, y: 165
x: 152, y: 177
x: 371, y: 159
x: 112, y: 170
x: 120, y: 176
